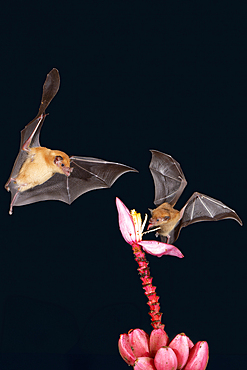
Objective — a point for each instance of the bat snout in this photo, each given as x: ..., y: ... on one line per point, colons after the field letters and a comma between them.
x: 151, y: 224
x: 67, y: 170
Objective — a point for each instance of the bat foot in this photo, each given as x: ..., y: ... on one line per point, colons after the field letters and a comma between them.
x: 12, y: 203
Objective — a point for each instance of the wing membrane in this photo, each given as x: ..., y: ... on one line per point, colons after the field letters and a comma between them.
x: 168, y: 177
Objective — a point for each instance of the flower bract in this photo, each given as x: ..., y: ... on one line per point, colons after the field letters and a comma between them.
x: 131, y: 227
x: 156, y: 353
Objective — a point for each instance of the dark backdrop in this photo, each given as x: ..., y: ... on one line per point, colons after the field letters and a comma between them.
x: 164, y: 75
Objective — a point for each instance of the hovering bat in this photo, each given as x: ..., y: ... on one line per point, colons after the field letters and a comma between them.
x: 41, y: 174
x: 169, y: 182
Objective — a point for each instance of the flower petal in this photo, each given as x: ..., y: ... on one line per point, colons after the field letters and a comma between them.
x: 125, y: 349
x: 198, y: 357
x: 139, y: 341
x: 165, y: 359
x: 125, y: 221
x: 180, y: 346
x: 190, y: 343
x: 144, y: 363
x: 159, y: 249
x: 158, y: 339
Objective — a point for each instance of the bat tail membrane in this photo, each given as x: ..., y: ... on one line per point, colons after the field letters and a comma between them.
x: 169, y: 180
x: 53, y: 189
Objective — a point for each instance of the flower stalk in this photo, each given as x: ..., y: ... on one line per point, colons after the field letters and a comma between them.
x: 131, y: 227
x: 148, y: 287
x: 137, y: 348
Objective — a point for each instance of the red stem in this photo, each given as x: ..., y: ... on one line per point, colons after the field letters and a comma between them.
x: 146, y: 279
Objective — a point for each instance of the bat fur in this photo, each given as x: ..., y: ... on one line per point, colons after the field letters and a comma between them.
x: 42, y: 174
x: 170, y: 182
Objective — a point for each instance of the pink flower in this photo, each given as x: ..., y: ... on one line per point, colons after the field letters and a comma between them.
x: 131, y: 227
x: 154, y: 352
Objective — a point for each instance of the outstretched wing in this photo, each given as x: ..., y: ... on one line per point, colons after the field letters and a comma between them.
x: 201, y: 207
x: 32, y: 130
x: 50, y: 89
x: 169, y: 180
x: 88, y: 174
x: 30, y: 134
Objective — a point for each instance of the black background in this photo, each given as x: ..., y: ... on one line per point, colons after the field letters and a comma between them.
x: 164, y: 75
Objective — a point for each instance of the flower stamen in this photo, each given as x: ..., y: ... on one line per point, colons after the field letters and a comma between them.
x: 144, y: 223
x: 150, y: 231
x: 136, y: 217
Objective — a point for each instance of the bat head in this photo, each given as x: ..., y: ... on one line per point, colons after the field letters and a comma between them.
x: 164, y: 216
x: 62, y: 162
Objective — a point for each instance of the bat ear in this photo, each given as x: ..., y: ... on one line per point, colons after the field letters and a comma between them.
x: 150, y: 210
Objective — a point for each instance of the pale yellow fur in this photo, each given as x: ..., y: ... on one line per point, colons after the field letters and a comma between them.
x: 39, y: 167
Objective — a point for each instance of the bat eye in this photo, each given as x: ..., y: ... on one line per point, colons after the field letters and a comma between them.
x: 62, y: 165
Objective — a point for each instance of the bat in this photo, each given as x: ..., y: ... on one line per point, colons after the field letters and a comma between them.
x: 169, y: 182
x: 42, y: 174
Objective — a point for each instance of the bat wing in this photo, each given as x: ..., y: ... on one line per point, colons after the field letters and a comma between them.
x: 50, y: 89
x: 169, y: 180
x: 31, y: 132
x: 201, y: 207
x: 88, y: 174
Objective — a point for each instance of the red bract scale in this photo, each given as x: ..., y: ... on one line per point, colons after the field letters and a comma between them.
x: 156, y: 353
x: 131, y: 227
x: 137, y: 348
